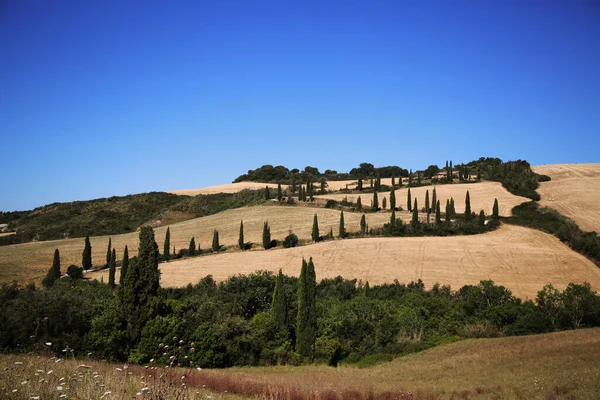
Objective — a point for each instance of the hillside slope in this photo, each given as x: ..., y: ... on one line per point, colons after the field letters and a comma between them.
x: 573, y: 191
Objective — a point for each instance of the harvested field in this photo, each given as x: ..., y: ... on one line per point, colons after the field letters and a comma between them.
x: 226, y: 188
x: 482, y: 197
x: 522, y: 259
x: 573, y: 191
x: 30, y: 261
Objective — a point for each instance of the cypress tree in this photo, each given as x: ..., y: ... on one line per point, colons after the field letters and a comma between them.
x: 241, y: 243
x: 215, y: 243
x: 86, y: 256
x: 452, y: 208
x: 167, y: 245
x: 393, y: 199
x: 279, y: 307
x: 481, y: 218
x: 393, y: 183
x: 448, y: 212
x: 279, y: 193
x: 438, y: 214
x: 54, y: 271
x: 393, y: 218
x: 375, y: 206
x: 434, y: 201
x: 495, y: 215
x: 267, y: 193
x: 192, y: 247
x: 358, y: 204
x: 125, y: 266
x: 419, y: 178
x: 141, y: 285
x: 427, y: 209
x: 371, y: 185
x: 363, y: 224
x: 266, y: 236
x: 415, y: 216
x: 377, y: 183
x: 409, y: 201
x: 359, y: 185
x: 468, y: 206
x: 112, y: 268
x: 384, y: 203
x: 342, y: 227
x: 307, y: 312
x: 108, y: 252
x: 410, y: 178
x: 323, y: 185
x: 315, y: 229
x: 330, y: 234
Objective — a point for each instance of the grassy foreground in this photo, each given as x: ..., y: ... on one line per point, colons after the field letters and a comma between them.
x: 563, y: 365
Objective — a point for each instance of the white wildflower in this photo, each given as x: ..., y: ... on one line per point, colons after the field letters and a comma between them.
x: 18, y: 363
x: 48, y: 343
x: 59, y: 388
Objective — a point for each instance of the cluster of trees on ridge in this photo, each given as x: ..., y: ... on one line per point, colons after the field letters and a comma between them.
x: 263, y: 319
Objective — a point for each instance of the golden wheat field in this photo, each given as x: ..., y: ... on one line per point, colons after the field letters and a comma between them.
x: 522, y: 259
x: 30, y: 261
x: 482, y: 197
x: 573, y: 191
x: 225, y: 188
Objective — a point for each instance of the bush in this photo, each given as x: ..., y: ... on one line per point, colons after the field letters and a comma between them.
x: 75, y: 272
x: 290, y: 240
x: 331, y: 204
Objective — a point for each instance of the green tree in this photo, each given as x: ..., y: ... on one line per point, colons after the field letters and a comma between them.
x: 359, y: 185
x: 266, y: 236
x: 358, y: 204
x: 306, y: 323
x: 112, y: 268
x: 192, y: 247
x: 141, y: 285
x: 377, y: 183
x: 279, y: 192
x: 438, y: 214
x: 167, y: 245
x: 279, y: 306
x: 124, y: 267
x: 393, y: 183
x: 481, y: 218
x: 410, y: 178
x: 54, y: 271
x: 375, y: 206
x: 323, y: 186
x: 418, y: 178
x: 427, y: 209
x: 448, y: 211
x: 241, y: 243
x: 384, y: 203
x: 495, y: 215
x: 468, y: 206
x: 363, y: 224
x: 393, y: 218
x: 452, y: 208
x: 315, y: 229
x: 393, y: 199
x: 108, y: 252
x: 215, y: 242
x: 342, y: 227
x: 434, y: 201
x: 86, y: 256
x: 409, y: 201
x: 415, y: 216
x: 267, y: 193
x: 294, y: 184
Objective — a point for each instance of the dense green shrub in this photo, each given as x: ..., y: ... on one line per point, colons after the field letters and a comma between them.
x: 290, y: 240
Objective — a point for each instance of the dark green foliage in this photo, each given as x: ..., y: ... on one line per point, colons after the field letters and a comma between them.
x: 358, y: 203
x: 167, y: 245
x: 468, y: 215
x: 516, y: 176
x: 141, y: 285
x: 409, y: 201
x: 307, y: 313
x: 434, y: 202
x: 75, y: 272
x: 415, y: 216
x: 359, y: 184
x: 342, y: 229
x: 448, y: 211
x: 267, y: 193
x: 192, y: 247
x: 375, y: 206
x: 108, y: 253
x: 266, y: 236
x: 54, y: 271
x: 290, y: 240
x: 279, y: 192
x: 384, y: 203
x: 125, y: 266
x: 86, y: 256
x: 481, y: 218
x: 495, y: 215
x: 315, y: 230
x: 438, y: 214
x: 241, y: 243
x: 363, y: 224
x: 323, y: 186
x: 279, y: 306
x: 393, y: 199
x: 452, y: 209
x: 112, y: 268
x: 216, y: 246
x: 393, y: 218
x: 427, y: 209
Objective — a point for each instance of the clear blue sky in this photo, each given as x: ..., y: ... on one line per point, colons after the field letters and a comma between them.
x: 99, y: 98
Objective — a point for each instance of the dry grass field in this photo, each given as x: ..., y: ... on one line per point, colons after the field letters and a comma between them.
x: 522, y: 259
x: 482, y: 197
x: 562, y: 365
x: 226, y: 188
x: 6, y: 233
x: 573, y: 191
x: 30, y: 261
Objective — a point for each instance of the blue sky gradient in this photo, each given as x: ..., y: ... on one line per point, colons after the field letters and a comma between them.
x: 99, y: 98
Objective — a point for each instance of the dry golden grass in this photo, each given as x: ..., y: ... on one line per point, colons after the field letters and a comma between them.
x: 482, y: 197
x: 226, y: 188
x: 550, y: 366
x: 30, y: 261
x: 573, y: 191
x: 6, y: 233
x: 522, y: 259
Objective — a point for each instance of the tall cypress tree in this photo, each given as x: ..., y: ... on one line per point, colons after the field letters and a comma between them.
x: 86, y: 256
x: 241, y: 243
x: 438, y: 214
x: 481, y: 218
x: 415, y: 216
x: 192, y: 247
x: 452, y: 208
x: 167, y: 245
x: 495, y: 213
x: 112, y: 268
x: 434, y: 201
x: 393, y: 199
x: 427, y: 209
x: 394, y: 182
x: 358, y: 204
x: 468, y: 207
x: 384, y: 203
x: 375, y: 201
x: 342, y: 227
x: 315, y: 229
x: 410, y: 178
x: 279, y: 192
x: 108, y: 252
x: 279, y: 306
x: 393, y: 218
x: 267, y: 193
x: 124, y: 267
x: 448, y: 211
x: 216, y: 246
x: 307, y: 312
x: 141, y: 285
x: 266, y: 236
x: 409, y: 201
x: 359, y: 185
x: 363, y: 224
x: 54, y: 271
